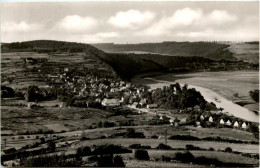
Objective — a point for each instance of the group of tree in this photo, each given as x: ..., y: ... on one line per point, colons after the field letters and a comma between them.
x: 175, y: 97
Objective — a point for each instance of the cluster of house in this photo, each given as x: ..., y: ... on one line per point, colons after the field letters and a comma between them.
x: 108, y: 92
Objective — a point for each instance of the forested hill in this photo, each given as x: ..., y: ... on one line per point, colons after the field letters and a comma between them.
x: 215, y: 51
x: 49, y: 46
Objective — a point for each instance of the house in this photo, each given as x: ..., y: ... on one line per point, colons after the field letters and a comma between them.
x: 236, y: 124
x: 202, y: 117
x: 110, y: 102
x: 66, y: 69
x: 244, y: 125
x: 183, y: 120
x: 143, y: 101
x: 134, y: 105
x: 210, y: 119
x: 150, y: 106
x: 228, y: 123
x: 222, y: 122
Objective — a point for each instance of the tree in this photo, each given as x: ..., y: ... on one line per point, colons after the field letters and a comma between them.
x: 254, y: 94
x: 118, y: 161
x: 51, y: 146
x: 83, y: 151
x: 33, y: 93
x: 141, y: 154
x: 7, y: 92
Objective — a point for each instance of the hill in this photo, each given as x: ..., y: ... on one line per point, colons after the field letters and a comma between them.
x: 215, y: 51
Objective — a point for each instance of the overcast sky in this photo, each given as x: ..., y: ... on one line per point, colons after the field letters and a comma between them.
x: 129, y: 22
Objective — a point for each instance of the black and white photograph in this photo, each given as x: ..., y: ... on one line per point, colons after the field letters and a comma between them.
x: 129, y: 83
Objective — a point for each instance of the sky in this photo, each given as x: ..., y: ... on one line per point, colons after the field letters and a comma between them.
x: 130, y: 22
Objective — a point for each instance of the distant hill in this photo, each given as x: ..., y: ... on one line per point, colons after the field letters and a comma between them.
x: 48, y: 46
x: 215, y: 51
x: 128, y: 65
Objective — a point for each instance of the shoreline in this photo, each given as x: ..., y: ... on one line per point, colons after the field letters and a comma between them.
x: 159, y: 80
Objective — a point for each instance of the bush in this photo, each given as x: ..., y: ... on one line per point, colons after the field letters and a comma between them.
x: 21, y: 137
x: 51, y: 146
x: 50, y: 161
x: 141, y: 154
x: 191, y: 147
x: 228, y: 149
x: 211, y: 149
x: 109, y: 161
x: 110, y: 149
x: 118, y: 161
x: 166, y: 158
x: 186, y: 157
x: 84, y: 138
x: 163, y: 147
x: 132, y: 134
x: 105, y: 161
x: 83, y: 151
x: 154, y: 137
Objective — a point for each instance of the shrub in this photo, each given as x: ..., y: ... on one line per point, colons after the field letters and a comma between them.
x: 228, y: 149
x: 191, y: 147
x: 84, y: 138
x: 50, y: 161
x: 21, y: 137
x: 186, y: 157
x: 211, y: 149
x: 83, y: 151
x: 163, y: 147
x: 166, y: 158
x: 42, y: 140
x: 51, y: 146
x: 141, y: 154
x: 118, y: 161
x: 105, y: 161
x: 110, y: 149
x: 132, y: 134
x: 154, y: 137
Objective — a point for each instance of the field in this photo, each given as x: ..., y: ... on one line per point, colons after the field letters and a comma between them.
x: 245, y: 51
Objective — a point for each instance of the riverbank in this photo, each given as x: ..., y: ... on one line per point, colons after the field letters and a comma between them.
x: 221, y: 88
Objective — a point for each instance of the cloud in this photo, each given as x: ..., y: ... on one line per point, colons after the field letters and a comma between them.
x: 185, y: 17
x: 77, y: 24
x: 131, y: 19
x: 18, y: 27
x: 191, y: 20
x: 220, y: 17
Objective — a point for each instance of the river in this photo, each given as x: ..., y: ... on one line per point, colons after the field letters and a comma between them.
x: 216, y: 87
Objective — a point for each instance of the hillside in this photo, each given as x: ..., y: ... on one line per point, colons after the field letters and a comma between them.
x: 215, y: 51
x: 248, y: 52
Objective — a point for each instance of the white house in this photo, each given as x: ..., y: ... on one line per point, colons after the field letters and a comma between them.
x: 202, y: 117
x: 210, y: 119
x: 228, y: 123
x: 236, y: 124
x: 244, y: 125
x: 222, y: 122
x: 152, y: 106
x: 110, y: 102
